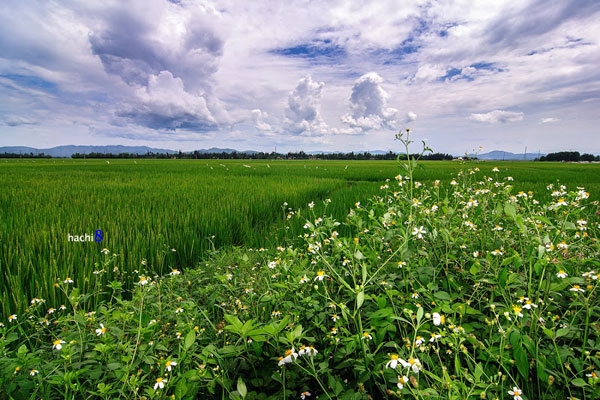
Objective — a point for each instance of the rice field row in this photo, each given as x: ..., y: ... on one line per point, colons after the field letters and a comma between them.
x: 170, y: 213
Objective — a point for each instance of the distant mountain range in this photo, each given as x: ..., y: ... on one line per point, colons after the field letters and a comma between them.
x: 68, y: 151
x: 507, y: 155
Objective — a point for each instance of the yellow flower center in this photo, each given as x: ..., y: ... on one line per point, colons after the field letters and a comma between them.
x: 394, y: 356
x: 321, y: 273
x: 56, y: 342
x: 159, y: 380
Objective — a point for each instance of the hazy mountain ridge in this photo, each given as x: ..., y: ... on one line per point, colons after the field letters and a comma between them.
x: 67, y: 151
x: 507, y: 155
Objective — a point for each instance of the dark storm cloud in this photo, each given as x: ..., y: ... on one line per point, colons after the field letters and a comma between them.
x: 131, y: 48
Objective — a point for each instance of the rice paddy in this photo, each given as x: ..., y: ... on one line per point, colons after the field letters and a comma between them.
x: 171, y: 213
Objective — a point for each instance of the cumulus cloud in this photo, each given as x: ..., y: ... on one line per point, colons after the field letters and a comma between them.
x: 368, y: 105
x: 428, y: 72
x: 304, y: 108
x: 410, y: 116
x: 165, y: 104
x: 549, y: 120
x: 143, y: 38
x: 496, y: 116
x: 259, y: 118
x: 167, y: 54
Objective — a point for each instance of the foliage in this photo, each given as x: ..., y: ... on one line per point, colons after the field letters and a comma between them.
x: 145, y: 208
x: 235, y: 155
x: 569, y: 156
x: 477, y: 291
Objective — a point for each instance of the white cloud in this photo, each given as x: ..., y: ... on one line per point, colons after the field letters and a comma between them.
x: 16, y: 120
x: 259, y: 118
x: 549, y: 120
x: 304, y: 108
x: 165, y: 104
x: 428, y: 72
x: 368, y: 105
x: 496, y: 116
x: 410, y: 116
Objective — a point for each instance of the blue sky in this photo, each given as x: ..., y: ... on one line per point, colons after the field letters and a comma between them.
x: 310, y: 75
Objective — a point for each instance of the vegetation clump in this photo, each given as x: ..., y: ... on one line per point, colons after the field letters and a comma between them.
x: 473, y: 292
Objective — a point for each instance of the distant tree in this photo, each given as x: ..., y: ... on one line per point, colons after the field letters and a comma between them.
x: 568, y: 156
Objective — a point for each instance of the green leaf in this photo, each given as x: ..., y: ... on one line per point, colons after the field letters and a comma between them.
x: 113, y: 365
x: 235, y: 321
x: 541, y: 370
x: 515, y: 338
x: 190, y: 338
x: 510, y: 210
x: 442, y: 295
x: 241, y: 388
x: 181, y: 389
x: 478, y: 372
x: 570, y: 226
x: 521, y: 359
x: 364, y: 272
x: 360, y: 299
x: 419, y: 314
x: 358, y: 255
x: 578, y: 382
x: 502, y: 277
x: 562, y: 332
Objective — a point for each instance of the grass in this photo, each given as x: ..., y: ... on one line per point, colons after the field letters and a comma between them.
x: 145, y: 208
x: 429, y: 291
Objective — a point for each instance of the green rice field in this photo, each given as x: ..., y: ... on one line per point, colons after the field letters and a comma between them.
x: 171, y: 213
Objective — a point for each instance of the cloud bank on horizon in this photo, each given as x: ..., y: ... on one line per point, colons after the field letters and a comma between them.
x: 326, y: 75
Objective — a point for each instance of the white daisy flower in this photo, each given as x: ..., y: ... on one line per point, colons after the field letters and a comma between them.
x: 170, y: 364
x: 320, y: 276
x: 419, y: 232
x: 101, y: 331
x: 438, y: 319
x: 516, y: 393
x: 412, y: 363
x: 402, y: 380
x: 394, y: 361
x: 160, y: 383
x: 290, y: 356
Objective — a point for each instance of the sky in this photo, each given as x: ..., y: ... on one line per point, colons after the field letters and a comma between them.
x: 302, y: 75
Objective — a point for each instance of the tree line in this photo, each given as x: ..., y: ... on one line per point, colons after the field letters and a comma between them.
x: 301, y: 155
x: 568, y: 156
x: 26, y: 155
